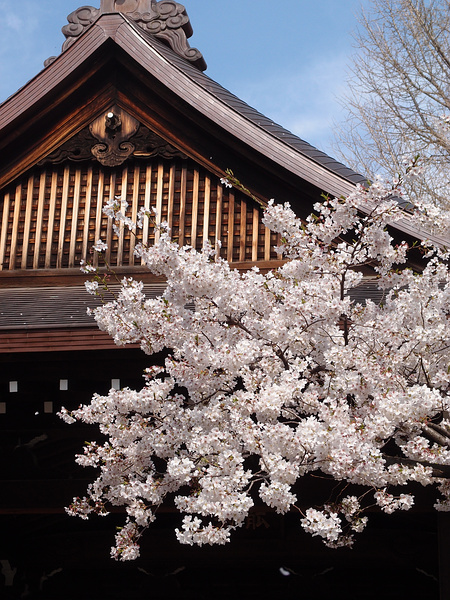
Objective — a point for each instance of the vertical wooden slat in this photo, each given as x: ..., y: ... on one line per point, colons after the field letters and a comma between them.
x: 134, y: 210
x: 243, y: 230
x: 87, y: 213
x: 27, y: 224
x: 62, y: 220
x: 159, y: 199
x: 255, y: 234
x: 51, y: 219
x: 266, y: 243
x: 109, y: 228
x: 74, y: 221
x: 99, y: 212
x: 182, y: 205
x: 39, y: 219
x: 219, y: 218
x: 121, y: 234
x: 4, y: 233
x: 147, y: 201
x: 171, y: 197
x: 207, y: 210
x: 195, y: 208
x: 230, y: 227
x: 15, y: 228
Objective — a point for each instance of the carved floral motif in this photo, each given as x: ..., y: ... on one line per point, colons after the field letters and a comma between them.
x: 76, y: 149
x: 113, y: 130
x: 84, y: 146
x: 150, y: 144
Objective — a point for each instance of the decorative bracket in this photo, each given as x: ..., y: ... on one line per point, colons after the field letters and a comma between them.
x: 166, y: 20
x: 113, y: 130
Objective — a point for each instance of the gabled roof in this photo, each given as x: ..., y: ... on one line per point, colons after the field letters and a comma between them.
x: 214, y: 127
x: 182, y: 80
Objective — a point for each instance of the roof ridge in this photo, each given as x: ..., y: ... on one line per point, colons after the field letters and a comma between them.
x: 252, y: 115
x: 165, y: 19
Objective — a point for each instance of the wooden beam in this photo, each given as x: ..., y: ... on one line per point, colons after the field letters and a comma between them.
x: 109, y: 226
x: 74, y: 222
x: 219, y: 217
x: 194, y: 222
x: 121, y: 234
x: 147, y: 206
x: 51, y: 219
x: 206, y: 210
x: 15, y: 227
x: 52, y: 340
x: 62, y: 217
x: 159, y: 200
x: 99, y: 213
x: 255, y: 234
x: 230, y: 239
x: 134, y: 210
x: 182, y: 204
x: 171, y: 197
x: 243, y: 230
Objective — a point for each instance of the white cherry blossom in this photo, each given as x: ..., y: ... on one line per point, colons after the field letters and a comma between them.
x: 274, y: 377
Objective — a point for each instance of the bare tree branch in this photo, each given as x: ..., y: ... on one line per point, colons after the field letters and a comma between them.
x: 399, y: 92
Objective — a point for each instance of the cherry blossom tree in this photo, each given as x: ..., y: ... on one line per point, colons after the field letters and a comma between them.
x: 273, y: 377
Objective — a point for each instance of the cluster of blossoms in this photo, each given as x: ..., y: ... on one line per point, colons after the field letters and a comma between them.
x: 389, y: 504
x: 283, y: 375
x: 336, y: 524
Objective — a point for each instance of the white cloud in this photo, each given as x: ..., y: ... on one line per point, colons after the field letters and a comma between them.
x: 13, y: 22
x: 302, y: 98
x: 20, y: 20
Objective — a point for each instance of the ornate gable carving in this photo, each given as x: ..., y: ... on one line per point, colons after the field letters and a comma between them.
x: 166, y: 20
x: 111, y: 139
x: 114, y: 131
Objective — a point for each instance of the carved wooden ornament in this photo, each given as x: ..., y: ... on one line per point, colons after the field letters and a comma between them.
x: 166, y: 20
x: 113, y: 129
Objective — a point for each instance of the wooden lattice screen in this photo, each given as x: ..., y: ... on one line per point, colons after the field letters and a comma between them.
x: 51, y: 218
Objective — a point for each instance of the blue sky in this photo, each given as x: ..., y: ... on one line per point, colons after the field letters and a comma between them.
x: 287, y: 58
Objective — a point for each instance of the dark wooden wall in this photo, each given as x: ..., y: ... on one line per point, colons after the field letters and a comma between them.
x: 56, y: 556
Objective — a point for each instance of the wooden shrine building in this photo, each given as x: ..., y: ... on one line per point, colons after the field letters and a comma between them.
x: 127, y: 111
